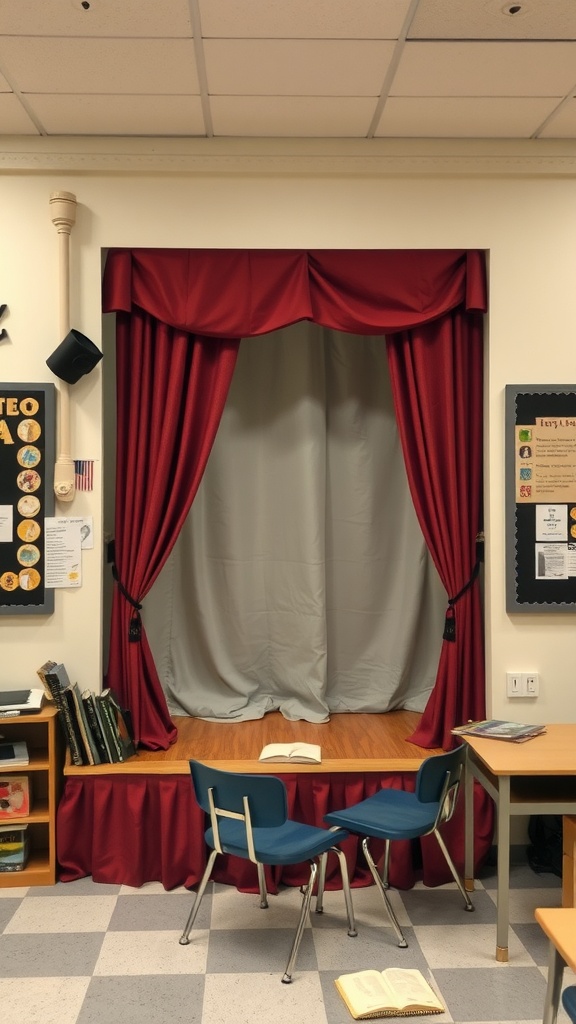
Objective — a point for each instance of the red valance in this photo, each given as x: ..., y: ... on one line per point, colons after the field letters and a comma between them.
x: 236, y: 293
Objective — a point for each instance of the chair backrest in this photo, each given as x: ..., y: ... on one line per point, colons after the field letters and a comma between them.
x: 438, y: 780
x: 266, y: 794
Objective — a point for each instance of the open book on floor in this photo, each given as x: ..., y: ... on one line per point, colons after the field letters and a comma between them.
x: 495, y: 729
x: 296, y: 753
x: 396, y: 992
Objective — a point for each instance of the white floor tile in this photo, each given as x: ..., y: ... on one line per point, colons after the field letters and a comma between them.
x: 62, y: 914
x: 42, y: 1000
x: 154, y: 952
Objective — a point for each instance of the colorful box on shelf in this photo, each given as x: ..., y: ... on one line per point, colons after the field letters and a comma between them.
x: 14, y: 847
x: 15, y: 799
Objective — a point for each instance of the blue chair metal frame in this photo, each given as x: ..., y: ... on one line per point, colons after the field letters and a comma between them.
x: 249, y: 819
x: 394, y: 814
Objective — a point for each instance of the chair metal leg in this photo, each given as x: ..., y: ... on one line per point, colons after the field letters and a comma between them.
x: 287, y: 978
x: 386, y: 865
x: 352, y: 932
x: 184, y: 938
x: 374, y: 872
x: 321, y: 881
x: 468, y: 902
x: 262, y: 886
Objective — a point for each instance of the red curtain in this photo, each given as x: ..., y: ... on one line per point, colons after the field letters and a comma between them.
x: 441, y: 426
x: 168, y: 413
x: 171, y: 389
x: 138, y: 807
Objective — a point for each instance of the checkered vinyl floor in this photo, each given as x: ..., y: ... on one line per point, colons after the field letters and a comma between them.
x: 84, y: 953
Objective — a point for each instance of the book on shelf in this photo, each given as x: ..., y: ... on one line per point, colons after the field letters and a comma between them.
x: 496, y: 729
x: 395, y: 992
x: 13, y: 754
x: 296, y: 753
x: 14, y: 847
x: 25, y: 701
x: 15, y: 798
x: 56, y: 680
x: 116, y: 724
x: 90, y: 751
x: 88, y: 699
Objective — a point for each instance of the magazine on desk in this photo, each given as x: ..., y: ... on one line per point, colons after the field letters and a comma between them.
x: 495, y: 729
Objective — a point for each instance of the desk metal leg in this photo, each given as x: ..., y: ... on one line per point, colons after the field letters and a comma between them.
x: 554, y: 985
x: 503, y: 867
x: 468, y: 826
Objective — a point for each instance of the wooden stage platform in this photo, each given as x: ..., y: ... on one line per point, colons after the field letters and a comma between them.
x: 138, y: 822
x: 350, y: 743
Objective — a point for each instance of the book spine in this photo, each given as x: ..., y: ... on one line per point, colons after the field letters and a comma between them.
x: 84, y: 724
x: 103, y: 728
x: 65, y: 719
x: 123, y: 723
x: 111, y: 727
x: 95, y: 727
x: 70, y: 703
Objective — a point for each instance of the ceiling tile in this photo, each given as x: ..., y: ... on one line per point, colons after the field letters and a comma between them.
x: 120, y: 115
x: 105, y: 18
x: 301, y: 19
x: 13, y: 118
x: 287, y: 67
x: 463, y: 118
x: 291, y: 116
x: 563, y: 124
x: 487, y: 19
x: 485, y: 69
x: 100, y: 65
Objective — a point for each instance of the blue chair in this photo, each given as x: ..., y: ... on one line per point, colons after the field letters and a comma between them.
x: 394, y: 814
x: 249, y: 819
x: 569, y: 1002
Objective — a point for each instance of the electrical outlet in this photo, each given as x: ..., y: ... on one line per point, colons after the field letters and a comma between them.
x: 531, y: 684
x: 514, y: 684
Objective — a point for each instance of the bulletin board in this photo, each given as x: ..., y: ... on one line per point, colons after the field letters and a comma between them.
x: 27, y: 443
x: 540, y: 467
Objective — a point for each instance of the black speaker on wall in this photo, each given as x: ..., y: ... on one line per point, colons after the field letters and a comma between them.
x: 74, y: 357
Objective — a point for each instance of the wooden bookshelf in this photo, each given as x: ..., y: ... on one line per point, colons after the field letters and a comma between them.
x: 41, y: 732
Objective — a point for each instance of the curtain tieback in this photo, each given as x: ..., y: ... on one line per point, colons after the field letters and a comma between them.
x: 450, y: 620
x: 135, y: 627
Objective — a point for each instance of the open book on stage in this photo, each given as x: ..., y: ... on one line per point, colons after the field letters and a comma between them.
x: 396, y: 992
x: 494, y: 729
x: 296, y: 753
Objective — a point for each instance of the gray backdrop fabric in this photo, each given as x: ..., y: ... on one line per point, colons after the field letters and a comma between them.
x: 301, y: 580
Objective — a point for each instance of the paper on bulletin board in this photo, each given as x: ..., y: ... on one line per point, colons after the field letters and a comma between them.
x: 545, y: 455
x: 63, y: 552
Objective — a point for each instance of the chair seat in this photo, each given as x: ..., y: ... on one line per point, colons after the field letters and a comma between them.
x: 569, y: 1002
x: 290, y: 843
x: 389, y: 814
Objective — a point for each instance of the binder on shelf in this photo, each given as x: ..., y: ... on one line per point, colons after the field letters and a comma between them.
x: 110, y: 727
x: 56, y: 679
x: 91, y: 715
x: 90, y: 751
x: 122, y: 722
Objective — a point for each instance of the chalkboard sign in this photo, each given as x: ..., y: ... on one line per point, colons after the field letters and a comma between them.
x: 26, y: 495
x: 540, y: 498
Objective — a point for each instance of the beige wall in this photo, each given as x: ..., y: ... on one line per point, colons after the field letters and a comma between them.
x: 517, y: 202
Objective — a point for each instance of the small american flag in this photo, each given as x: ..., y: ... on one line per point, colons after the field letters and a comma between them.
x: 84, y: 473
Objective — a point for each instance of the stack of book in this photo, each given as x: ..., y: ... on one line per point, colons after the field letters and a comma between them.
x: 96, y: 728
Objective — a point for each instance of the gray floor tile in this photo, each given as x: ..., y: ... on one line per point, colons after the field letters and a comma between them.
x: 446, y: 906
x: 28, y: 956
x: 506, y: 993
x: 239, y: 951
x: 151, y: 999
x: 167, y: 912
x: 8, y: 908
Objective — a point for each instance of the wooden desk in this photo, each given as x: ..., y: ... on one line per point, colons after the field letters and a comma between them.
x: 536, y: 777
x: 559, y: 924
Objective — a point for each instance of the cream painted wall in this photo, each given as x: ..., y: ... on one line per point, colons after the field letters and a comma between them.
x: 517, y: 203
